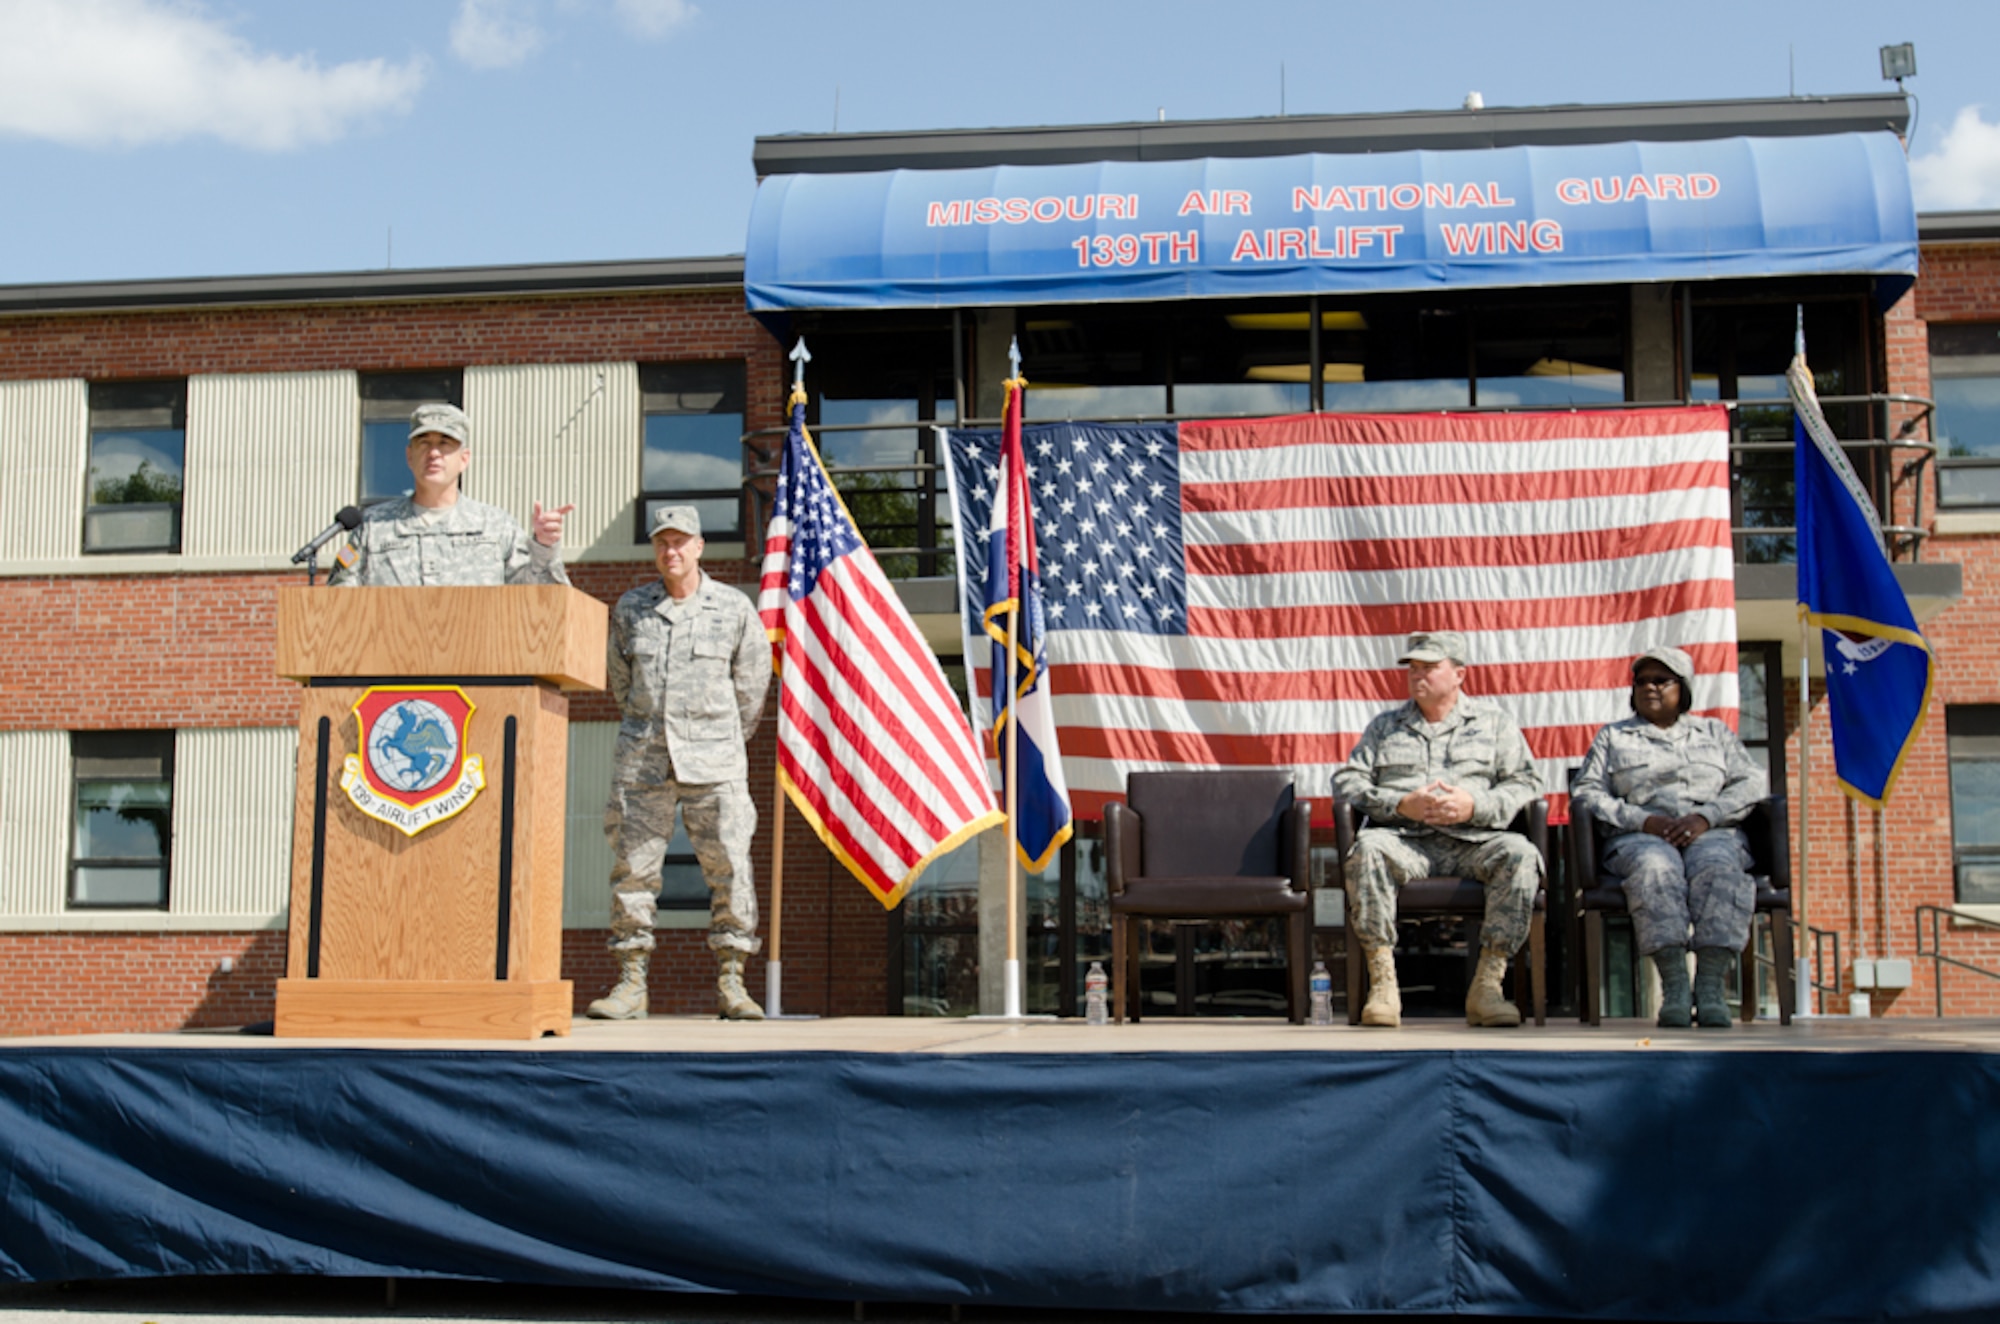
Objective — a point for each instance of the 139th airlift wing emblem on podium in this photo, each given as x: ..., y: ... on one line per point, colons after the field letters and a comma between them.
x: 412, y: 771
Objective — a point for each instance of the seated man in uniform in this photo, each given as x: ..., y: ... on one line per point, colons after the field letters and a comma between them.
x: 1440, y: 777
x: 436, y: 536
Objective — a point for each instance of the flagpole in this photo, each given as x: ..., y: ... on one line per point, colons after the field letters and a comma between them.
x: 1012, y: 1004
x: 1802, y: 960
x: 774, y: 967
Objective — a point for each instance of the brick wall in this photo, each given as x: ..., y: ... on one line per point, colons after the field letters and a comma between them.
x: 1865, y: 890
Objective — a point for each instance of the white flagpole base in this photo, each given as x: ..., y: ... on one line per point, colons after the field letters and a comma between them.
x: 1802, y: 989
x: 1011, y: 1000
x: 774, y: 1005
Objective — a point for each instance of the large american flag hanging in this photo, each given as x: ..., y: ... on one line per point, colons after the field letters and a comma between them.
x: 1235, y: 594
x: 872, y: 746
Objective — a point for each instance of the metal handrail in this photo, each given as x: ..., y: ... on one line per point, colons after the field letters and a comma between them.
x: 1939, y: 960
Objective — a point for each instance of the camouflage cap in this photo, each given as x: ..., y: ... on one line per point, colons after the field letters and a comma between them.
x: 445, y: 420
x: 1435, y: 646
x: 1673, y: 659
x: 684, y: 518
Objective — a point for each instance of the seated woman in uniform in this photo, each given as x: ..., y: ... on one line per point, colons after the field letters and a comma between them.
x: 1669, y: 789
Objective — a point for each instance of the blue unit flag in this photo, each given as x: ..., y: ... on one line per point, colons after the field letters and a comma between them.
x: 1879, y: 666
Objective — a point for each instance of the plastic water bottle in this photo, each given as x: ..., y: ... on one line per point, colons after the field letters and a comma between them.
x: 1322, y: 994
x: 1095, y: 1011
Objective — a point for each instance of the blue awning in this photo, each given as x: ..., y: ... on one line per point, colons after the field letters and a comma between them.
x: 1326, y: 224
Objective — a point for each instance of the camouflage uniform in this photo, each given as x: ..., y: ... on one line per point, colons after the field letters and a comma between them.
x: 1696, y: 766
x: 403, y: 544
x: 690, y: 679
x: 1476, y: 748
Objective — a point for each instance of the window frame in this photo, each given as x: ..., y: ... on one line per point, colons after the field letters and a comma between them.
x: 132, y: 746
x: 656, y: 380
x: 1967, y: 720
x: 102, y: 401
x: 1953, y: 353
x: 387, y: 408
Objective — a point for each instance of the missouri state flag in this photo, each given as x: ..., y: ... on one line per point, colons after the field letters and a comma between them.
x: 1879, y: 666
x: 1015, y: 621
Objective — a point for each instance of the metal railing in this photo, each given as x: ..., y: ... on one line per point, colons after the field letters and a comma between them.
x: 1935, y: 915
x: 1907, y: 459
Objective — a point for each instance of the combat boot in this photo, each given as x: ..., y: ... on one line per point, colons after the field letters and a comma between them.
x: 1711, y: 1006
x: 733, y: 1001
x: 627, y: 999
x: 1672, y: 963
x: 1485, y: 1004
x: 1385, y: 1000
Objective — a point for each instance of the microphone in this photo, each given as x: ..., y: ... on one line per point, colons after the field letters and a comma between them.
x: 345, y: 521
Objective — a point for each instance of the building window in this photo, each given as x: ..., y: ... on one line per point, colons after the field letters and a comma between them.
x: 1760, y: 722
x: 1972, y: 737
x: 124, y: 819
x: 1965, y: 382
x: 138, y: 445
x: 387, y: 401
x: 692, y: 416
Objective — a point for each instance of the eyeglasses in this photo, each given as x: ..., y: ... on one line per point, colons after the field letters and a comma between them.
x: 1654, y: 682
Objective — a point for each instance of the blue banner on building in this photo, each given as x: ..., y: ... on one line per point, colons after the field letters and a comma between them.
x: 1336, y: 224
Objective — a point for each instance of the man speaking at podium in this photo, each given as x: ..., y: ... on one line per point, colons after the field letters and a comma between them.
x: 689, y: 666
x: 435, y: 535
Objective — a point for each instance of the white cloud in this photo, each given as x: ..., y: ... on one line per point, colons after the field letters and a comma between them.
x: 495, y: 34
x: 1964, y: 173
x: 124, y: 72
x: 654, y: 18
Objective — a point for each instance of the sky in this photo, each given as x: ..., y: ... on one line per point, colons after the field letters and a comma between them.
x: 165, y: 138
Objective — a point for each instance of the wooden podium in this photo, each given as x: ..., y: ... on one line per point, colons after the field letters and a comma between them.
x: 427, y: 860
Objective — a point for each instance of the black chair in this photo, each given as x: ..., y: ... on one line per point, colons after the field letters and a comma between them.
x: 1768, y: 830
x: 1464, y: 898
x: 1204, y: 846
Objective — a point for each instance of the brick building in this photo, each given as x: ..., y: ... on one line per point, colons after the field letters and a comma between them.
x: 167, y: 444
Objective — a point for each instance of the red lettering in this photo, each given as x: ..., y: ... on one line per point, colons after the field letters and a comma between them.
x: 1152, y: 242
x: 1388, y: 233
x: 1493, y: 198
x: 1460, y: 239
x: 1617, y: 193
x: 1360, y: 237
x: 1046, y: 209
x: 1573, y: 191
x: 1373, y: 197
x: 1639, y: 188
x: 1014, y: 211
x: 1312, y: 243
x: 1085, y: 211
x: 1082, y: 247
x: 1439, y: 195
x: 1188, y: 250
x: 1546, y: 237
x: 1336, y: 197
x: 943, y: 214
x: 1246, y: 247
x: 1193, y: 203
x: 1703, y: 186
x: 1236, y: 200
x: 1306, y: 199
x: 1671, y: 184
x: 1403, y: 197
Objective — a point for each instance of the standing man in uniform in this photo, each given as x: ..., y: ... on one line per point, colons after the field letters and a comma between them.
x: 689, y: 665
x: 436, y: 535
x: 1441, y: 777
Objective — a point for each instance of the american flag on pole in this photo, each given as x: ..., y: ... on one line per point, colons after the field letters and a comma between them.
x: 1235, y: 593
x: 872, y: 746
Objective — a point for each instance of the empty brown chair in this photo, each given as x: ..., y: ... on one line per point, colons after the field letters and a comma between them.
x: 1207, y: 846
x: 1465, y: 898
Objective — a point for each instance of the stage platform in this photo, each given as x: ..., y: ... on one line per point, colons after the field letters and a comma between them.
x: 1832, y: 1170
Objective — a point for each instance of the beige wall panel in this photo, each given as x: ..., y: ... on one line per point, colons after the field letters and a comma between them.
x: 270, y: 457
x: 44, y: 453
x: 586, y: 855
x: 559, y: 434
x: 34, y: 822
x: 232, y: 846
